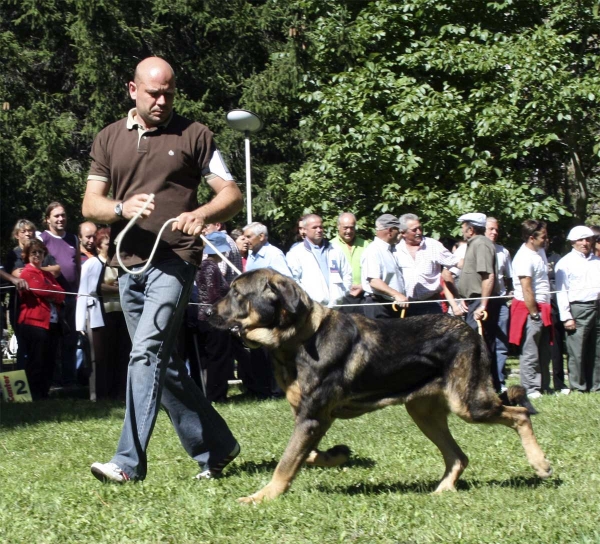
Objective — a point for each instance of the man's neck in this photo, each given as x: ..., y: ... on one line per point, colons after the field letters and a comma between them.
x: 348, y: 244
x: 58, y: 234
x: 530, y: 246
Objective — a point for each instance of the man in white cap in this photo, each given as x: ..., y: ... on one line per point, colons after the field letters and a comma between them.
x: 578, y: 283
x: 530, y: 311
x: 478, y: 282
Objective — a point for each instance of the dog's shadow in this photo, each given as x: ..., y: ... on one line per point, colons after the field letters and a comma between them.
x: 429, y: 486
x: 269, y: 466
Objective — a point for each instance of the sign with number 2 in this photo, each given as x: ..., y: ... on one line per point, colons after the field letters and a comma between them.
x: 15, y: 387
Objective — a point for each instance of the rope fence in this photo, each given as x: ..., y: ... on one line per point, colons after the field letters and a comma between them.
x: 579, y: 289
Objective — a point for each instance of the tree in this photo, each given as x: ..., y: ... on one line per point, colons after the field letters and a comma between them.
x: 66, y: 66
x: 443, y: 108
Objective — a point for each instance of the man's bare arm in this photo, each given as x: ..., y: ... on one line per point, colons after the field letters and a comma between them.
x: 382, y: 287
x: 528, y: 294
x: 487, y: 288
x: 226, y: 203
x: 98, y: 207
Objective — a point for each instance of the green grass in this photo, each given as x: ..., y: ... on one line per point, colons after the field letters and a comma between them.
x: 47, y: 494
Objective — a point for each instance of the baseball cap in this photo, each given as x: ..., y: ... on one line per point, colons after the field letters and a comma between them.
x: 577, y: 233
x: 219, y: 240
x: 477, y: 219
x: 387, y: 221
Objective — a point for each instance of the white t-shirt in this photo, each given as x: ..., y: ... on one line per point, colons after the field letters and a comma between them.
x: 532, y: 264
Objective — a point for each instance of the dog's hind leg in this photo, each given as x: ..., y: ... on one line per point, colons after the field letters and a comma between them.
x: 517, y: 418
x: 306, y: 436
x: 333, y: 457
x: 431, y: 415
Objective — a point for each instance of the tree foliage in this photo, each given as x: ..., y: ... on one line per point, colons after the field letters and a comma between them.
x: 440, y: 108
x: 434, y: 107
x: 66, y: 64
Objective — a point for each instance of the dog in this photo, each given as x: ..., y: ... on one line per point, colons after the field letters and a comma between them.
x: 334, y: 365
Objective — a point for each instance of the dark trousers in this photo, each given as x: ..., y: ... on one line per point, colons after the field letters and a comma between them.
x: 489, y: 329
x: 40, y: 355
x: 583, y: 346
x: 67, y: 370
x: 352, y: 304
x: 377, y: 307
x: 255, y: 370
x: 557, y: 349
x: 112, y: 346
x: 424, y: 308
x: 216, y: 360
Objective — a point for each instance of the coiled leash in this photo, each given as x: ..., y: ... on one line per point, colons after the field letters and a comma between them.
x: 132, y: 221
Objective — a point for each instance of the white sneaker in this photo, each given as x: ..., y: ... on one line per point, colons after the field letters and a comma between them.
x: 534, y: 395
x: 109, y: 472
x: 215, y: 472
x: 565, y: 391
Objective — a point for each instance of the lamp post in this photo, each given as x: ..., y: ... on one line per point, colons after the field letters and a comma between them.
x: 246, y: 122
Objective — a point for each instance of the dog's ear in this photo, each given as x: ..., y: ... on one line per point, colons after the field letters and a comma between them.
x: 288, y: 293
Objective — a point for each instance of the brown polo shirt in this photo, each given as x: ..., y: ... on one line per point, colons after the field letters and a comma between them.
x: 168, y: 161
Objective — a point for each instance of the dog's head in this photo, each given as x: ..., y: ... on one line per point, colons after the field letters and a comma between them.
x: 265, y: 307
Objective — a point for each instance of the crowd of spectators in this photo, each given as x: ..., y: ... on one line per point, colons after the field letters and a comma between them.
x: 542, y: 303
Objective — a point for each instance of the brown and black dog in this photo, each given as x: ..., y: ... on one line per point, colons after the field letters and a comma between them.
x: 334, y: 365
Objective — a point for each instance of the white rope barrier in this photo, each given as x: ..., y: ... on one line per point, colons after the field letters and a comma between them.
x: 579, y: 289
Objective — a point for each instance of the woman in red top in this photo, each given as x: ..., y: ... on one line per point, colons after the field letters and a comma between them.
x: 38, y: 319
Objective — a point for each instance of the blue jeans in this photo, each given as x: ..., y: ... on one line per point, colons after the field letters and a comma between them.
x: 154, y: 304
x: 502, y: 341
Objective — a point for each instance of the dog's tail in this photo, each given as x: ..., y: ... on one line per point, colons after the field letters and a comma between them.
x: 516, y: 395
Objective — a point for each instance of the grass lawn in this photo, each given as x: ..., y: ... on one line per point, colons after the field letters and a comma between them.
x: 47, y: 493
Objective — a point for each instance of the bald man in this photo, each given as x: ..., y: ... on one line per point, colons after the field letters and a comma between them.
x: 155, y: 150
x: 87, y: 240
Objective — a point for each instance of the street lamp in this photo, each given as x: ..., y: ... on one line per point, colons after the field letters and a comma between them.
x: 246, y: 122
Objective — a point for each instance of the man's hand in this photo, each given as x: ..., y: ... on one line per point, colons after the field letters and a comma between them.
x: 401, y: 300
x: 133, y: 205
x: 20, y: 284
x: 190, y: 223
x: 570, y: 325
x: 458, y: 308
x: 480, y: 314
x: 356, y: 290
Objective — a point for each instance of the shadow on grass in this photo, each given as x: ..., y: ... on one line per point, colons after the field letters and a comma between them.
x: 429, y: 486
x: 270, y: 465
x: 58, y: 410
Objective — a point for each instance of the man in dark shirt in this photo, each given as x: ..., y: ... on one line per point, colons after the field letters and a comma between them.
x: 155, y: 150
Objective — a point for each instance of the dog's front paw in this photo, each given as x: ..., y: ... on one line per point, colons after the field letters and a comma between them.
x: 251, y: 499
x: 267, y: 493
x: 544, y: 471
